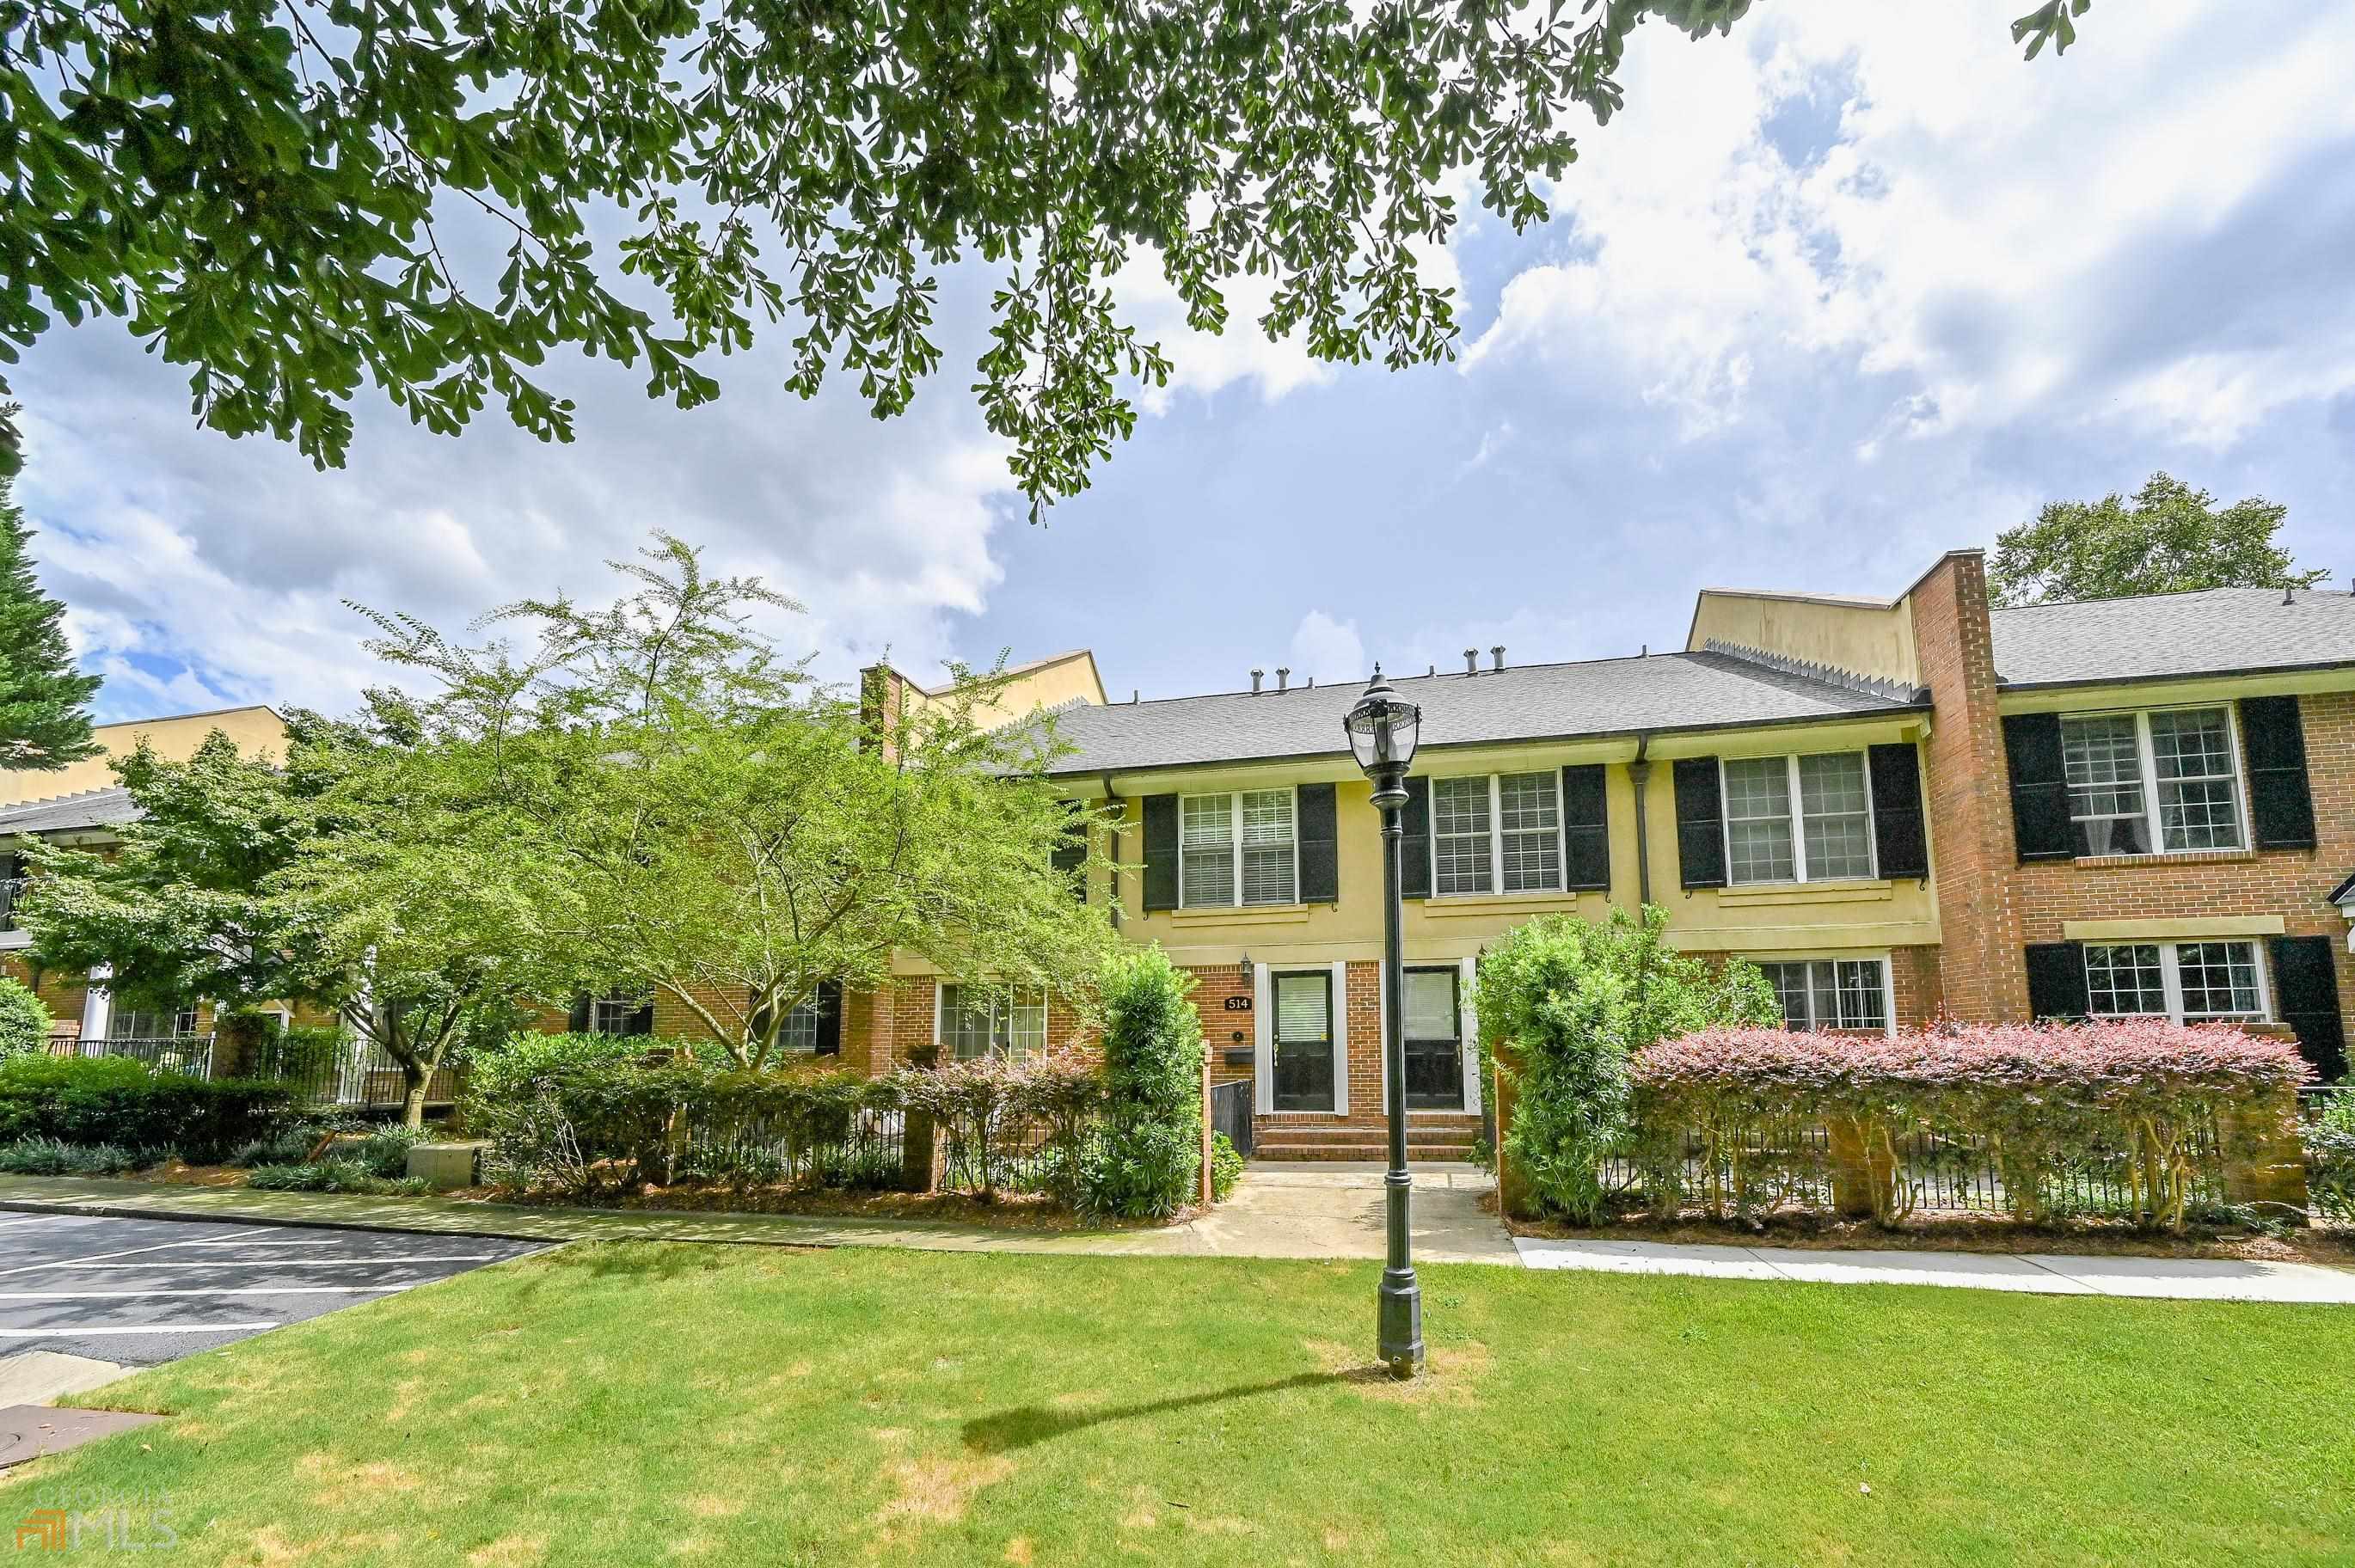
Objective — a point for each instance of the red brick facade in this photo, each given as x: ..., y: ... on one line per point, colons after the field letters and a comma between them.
x: 1991, y: 907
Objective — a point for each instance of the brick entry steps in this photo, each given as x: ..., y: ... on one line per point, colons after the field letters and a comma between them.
x: 1428, y: 1138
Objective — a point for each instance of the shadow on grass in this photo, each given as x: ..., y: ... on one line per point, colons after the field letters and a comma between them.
x: 1006, y: 1430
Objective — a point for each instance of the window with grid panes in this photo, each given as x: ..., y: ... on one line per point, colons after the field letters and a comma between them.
x: 1798, y: 819
x: 992, y: 1020
x: 1830, y: 993
x: 1460, y: 839
x: 1238, y: 848
x: 2159, y: 781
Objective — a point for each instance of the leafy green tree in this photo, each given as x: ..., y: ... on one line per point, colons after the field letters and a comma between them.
x: 24, y: 1022
x: 44, y: 701
x: 1571, y: 1001
x: 703, y: 821
x: 1145, y: 1162
x: 2169, y: 538
x: 263, y: 191
x: 340, y: 876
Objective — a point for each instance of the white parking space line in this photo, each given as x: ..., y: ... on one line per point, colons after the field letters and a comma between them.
x: 94, y: 1261
x: 340, y: 1241
x: 75, y: 1331
x: 27, y: 1219
x: 174, y: 1263
x: 242, y: 1290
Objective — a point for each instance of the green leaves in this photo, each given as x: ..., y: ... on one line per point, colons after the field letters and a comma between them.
x: 2053, y: 22
x: 292, y: 198
x: 2169, y: 537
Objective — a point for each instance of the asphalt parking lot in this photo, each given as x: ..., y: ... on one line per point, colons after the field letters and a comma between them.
x: 139, y: 1292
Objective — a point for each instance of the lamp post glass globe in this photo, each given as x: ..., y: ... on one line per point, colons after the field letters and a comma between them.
x: 1382, y: 729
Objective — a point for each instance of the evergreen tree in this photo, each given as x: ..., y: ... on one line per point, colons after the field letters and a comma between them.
x: 44, y: 701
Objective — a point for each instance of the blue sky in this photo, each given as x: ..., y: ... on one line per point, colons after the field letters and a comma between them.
x: 1846, y: 290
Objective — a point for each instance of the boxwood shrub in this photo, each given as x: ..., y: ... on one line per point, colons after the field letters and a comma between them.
x: 113, y: 1100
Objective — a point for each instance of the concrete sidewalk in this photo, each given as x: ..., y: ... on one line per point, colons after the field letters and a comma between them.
x: 2042, y: 1273
x: 1277, y: 1211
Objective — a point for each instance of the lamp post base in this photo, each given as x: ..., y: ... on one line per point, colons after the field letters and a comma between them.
x: 1399, y: 1331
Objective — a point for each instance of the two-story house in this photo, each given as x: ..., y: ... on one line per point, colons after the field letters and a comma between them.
x: 1904, y: 809
x: 82, y: 804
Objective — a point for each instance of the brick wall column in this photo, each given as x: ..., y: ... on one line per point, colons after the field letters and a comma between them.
x: 1982, y: 978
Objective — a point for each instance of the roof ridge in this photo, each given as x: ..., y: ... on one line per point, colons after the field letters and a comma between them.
x: 2171, y: 594
x: 1402, y: 679
x: 1810, y: 670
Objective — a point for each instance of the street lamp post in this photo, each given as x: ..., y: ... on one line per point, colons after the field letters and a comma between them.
x: 1382, y: 730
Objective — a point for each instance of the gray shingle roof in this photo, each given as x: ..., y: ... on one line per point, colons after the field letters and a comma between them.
x: 2217, y: 631
x: 1531, y: 702
x: 67, y: 813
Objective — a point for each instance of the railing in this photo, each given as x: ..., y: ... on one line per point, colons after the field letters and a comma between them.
x: 189, y: 1053
x: 2315, y: 1099
x: 868, y: 1150
x: 1790, y: 1165
x: 12, y: 889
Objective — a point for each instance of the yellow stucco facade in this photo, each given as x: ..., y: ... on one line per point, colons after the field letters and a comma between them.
x: 258, y: 732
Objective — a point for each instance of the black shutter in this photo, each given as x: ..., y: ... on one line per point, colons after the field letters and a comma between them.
x: 1070, y: 850
x: 579, y: 1022
x: 1701, y: 825
x: 2056, y: 980
x: 1898, y: 840
x: 1160, y: 851
x: 2281, y: 803
x: 830, y: 1017
x: 642, y: 1020
x: 1414, y: 841
x: 2306, y: 994
x: 1320, y: 863
x: 1585, y: 829
x: 2040, y: 787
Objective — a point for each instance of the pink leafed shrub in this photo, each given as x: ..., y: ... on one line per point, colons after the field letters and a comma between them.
x: 2156, y: 1095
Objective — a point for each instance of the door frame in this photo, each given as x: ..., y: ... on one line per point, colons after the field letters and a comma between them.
x: 1467, y: 1019
x: 1264, y: 1036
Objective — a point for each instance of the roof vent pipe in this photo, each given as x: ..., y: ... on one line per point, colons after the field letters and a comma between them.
x: 1283, y: 677
x: 1471, y: 661
x: 1497, y: 653
x: 1255, y: 680
x: 2289, y: 595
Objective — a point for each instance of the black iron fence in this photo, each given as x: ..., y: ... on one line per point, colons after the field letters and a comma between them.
x: 188, y: 1053
x: 1790, y: 1165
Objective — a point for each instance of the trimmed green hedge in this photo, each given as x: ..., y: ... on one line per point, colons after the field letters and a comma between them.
x: 113, y: 1100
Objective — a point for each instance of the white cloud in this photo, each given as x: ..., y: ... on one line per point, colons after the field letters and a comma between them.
x: 1328, y: 649
x: 1978, y: 229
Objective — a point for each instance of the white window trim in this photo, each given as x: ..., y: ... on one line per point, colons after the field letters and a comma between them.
x: 1496, y: 888
x: 1468, y: 1024
x: 1264, y: 1036
x: 2147, y: 759
x: 1235, y: 846
x: 2170, y: 977
x: 1888, y: 976
x: 940, y: 1015
x: 1798, y: 821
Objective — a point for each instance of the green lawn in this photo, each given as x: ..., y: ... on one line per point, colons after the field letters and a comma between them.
x: 739, y: 1404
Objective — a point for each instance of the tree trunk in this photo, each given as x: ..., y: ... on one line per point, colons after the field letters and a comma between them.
x: 413, y: 1079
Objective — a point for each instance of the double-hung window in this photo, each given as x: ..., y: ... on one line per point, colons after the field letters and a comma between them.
x: 1496, y: 833
x: 2191, y: 982
x: 151, y: 1023
x: 2152, y: 782
x: 1239, y: 847
x: 622, y: 1012
x: 1798, y: 819
x: 992, y: 1020
x: 1831, y: 993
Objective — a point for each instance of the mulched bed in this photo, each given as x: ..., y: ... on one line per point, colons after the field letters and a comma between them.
x: 1009, y: 1212
x: 1958, y: 1233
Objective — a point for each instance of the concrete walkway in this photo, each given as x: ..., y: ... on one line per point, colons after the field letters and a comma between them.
x: 2042, y: 1273
x: 1305, y: 1211
x: 1277, y: 1211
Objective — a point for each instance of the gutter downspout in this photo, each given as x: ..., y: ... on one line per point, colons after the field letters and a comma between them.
x: 1112, y: 851
x: 1639, y: 774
